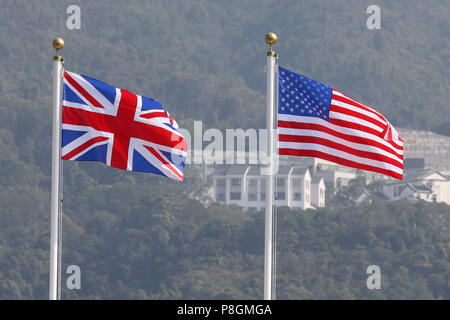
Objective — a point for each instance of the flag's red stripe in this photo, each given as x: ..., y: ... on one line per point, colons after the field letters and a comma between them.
x: 354, y: 126
x: 123, y: 120
x: 358, y: 115
x: 362, y: 116
x: 119, y: 155
x: 84, y: 146
x: 340, y: 147
x: 339, y: 160
x: 158, y: 156
x: 350, y: 138
x: 356, y: 104
x: 392, y: 142
x: 154, y: 115
x: 81, y: 90
x: 124, y: 127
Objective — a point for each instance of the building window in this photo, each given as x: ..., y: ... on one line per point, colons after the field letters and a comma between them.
x: 280, y: 181
x: 338, y: 183
x: 296, y: 182
x: 220, y: 182
x: 307, y: 184
x: 235, y: 196
x: 252, y: 197
x: 281, y: 196
x: 252, y: 182
x: 397, y: 191
x: 298, y: 196
x: 263, y: 197
x: 220, y: 196
x: 236, y: 182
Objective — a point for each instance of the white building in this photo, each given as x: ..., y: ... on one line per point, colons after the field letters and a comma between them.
x: 244, y: 186
x: 318, y: 192
x: 428, y: 185
x: 338, y: 176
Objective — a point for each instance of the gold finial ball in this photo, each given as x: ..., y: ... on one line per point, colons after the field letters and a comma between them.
x: 58, y: 43
x: 271, y: 38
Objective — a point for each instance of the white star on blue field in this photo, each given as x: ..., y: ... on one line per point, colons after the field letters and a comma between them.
x: 301, y: 96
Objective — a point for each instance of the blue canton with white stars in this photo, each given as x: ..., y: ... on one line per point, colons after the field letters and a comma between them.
x: 301, y: 96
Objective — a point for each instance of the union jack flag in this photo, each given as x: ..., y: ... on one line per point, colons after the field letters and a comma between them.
x: 121, y: 129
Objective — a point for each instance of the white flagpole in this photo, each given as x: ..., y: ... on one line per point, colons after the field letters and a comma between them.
x: 271, y: 38
x: 58, y: 44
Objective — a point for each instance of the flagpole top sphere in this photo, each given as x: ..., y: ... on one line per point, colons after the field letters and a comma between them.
x: 271, y: 38
x: 58, y: 43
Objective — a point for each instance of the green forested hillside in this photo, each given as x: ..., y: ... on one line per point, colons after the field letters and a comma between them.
x: 140, y: 236
x: 132, y: 241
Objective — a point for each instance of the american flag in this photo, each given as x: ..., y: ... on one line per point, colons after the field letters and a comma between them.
x: 315, y: 120
x: 121, y: 129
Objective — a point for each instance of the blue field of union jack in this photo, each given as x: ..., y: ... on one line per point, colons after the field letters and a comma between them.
x: 121, y: 129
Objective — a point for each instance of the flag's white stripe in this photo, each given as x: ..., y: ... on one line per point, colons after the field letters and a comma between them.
x: 357, y: 102
x: 139, y: 113
x: 75, y: 127
x: 161, y: 147
x: 395, y: 136
x: 87, y: 149
x: 169, y: 162
x: 90, y: 134
x: 156, y: 162
x: 89, y: 107
x: 154, y: 121
x: 152, y: 111
x: 324, y: 135
x: 75, y: 143
x: 159, y: 124
x: 356, y: 109
x: 159, y: 120
x: 343, y: 130
x: 346, y: 117
x: 340, y: 154
x: 131, y: 148
x: 91, y: 90
x: 82, y: 97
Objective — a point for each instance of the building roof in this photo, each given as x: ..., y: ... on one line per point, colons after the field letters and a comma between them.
x: 365, y: 193
x: 412, y: 175
x: 237, y: 170
x: 283, y: 170
x: 299, y: 171
x: 219, y: 172
x: 421, y: 188
x: 254, y: 171
x: 240, y: 170
x: 316, y: 180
